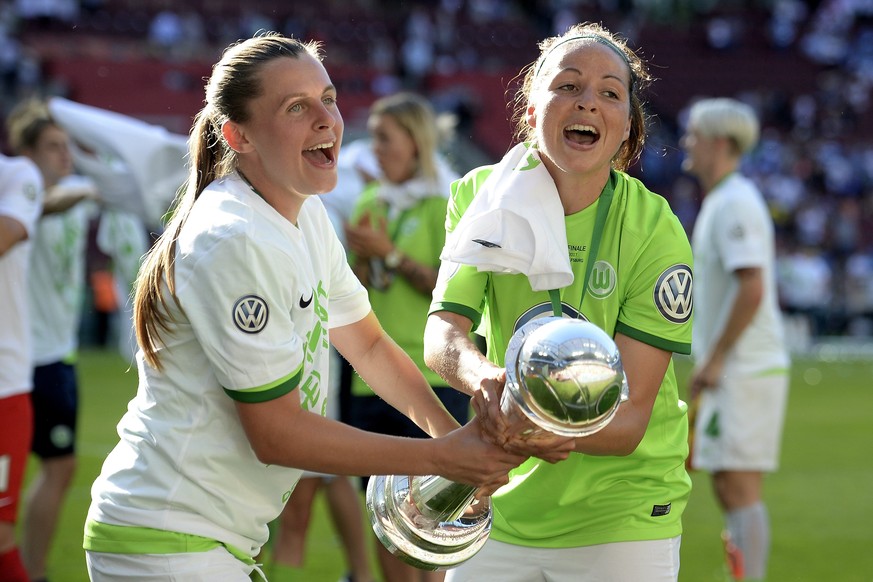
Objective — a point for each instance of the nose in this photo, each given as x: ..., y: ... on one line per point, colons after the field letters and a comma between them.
x: 327, y: 118
x: 586, y: 100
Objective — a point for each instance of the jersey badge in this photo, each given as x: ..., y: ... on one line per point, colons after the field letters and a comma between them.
x: 673, y: 294
x: 602, y: 281
x: 250, y: 314
x: 737, y: 232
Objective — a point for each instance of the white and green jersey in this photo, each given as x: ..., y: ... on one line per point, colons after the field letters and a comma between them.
x: 21, y: 195
x: 57, y: 281
x: 734, y: 230
x: 640, y: 286
x: 254, y: 293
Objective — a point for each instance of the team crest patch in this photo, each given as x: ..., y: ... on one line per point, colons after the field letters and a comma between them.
x: 602, y: 281
x: 250, y: 313
x: 673, y: 294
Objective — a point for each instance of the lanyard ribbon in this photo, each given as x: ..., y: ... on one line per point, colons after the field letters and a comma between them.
x: 603, y: 204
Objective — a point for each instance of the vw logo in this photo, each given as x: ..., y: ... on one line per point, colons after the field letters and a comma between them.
x: 673, y: 294
x: 250, y: 313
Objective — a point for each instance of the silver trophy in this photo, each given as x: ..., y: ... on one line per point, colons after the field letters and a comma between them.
x: 566, y: 377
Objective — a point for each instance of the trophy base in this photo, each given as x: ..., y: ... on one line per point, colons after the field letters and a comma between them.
x: 416, y: 539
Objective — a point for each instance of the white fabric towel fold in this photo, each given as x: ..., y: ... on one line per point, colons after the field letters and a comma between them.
x: 137, y: 166
x: 515, y: 224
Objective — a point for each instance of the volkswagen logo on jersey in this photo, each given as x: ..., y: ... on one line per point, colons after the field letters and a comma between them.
x: 250, y: 313
x: 673, y: 294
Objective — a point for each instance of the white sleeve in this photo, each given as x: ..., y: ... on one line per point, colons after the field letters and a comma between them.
x: 239, y: 298
x: 21, y: 193
x: 348, y: 300
x: 741, y: 233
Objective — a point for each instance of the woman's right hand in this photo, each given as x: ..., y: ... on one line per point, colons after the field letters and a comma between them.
x: 466, y: 455
x: 486, y: 405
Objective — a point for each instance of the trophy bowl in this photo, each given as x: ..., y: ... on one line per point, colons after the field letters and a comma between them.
x: 563, y: 376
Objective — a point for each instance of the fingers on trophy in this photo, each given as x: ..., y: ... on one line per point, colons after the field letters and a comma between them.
x: 564, y: 376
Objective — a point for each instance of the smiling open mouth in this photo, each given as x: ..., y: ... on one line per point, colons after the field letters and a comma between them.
x: 581, y: 134
x: 322, y: 153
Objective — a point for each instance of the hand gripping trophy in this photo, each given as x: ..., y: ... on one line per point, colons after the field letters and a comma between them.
x: 565, y: 376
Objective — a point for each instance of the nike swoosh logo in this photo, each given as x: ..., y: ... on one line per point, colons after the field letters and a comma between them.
x: 304, y: 303
x: 5, y: 501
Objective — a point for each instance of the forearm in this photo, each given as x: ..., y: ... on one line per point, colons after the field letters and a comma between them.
x: 393, y: 376
x: 280, y: 432
x: 422, y: 277
x: 352, y: 451
x: 449, y: 351
x: 11, y: 233
x: 644, y: 366
x: 745, y: 305
x: 60, y: 198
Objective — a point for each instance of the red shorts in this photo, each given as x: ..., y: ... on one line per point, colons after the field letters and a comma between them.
x: 16, y: 432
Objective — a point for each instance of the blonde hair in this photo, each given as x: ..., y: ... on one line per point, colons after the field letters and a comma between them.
x: 415, y: 115
x: 640, y: 79
x: 728, y: 118
x: 234, y: 83
x: 26, y: 123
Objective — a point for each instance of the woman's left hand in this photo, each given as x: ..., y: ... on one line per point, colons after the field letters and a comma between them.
x: 369, y: 238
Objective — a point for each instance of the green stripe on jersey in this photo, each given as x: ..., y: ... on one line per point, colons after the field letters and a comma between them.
x: 124, y: 539
x: 459, y: 309
x: 653, y: 340
x: 270, y: 391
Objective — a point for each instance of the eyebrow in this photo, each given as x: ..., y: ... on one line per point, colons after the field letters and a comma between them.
x: 291, y: 96
x: 578, y: 72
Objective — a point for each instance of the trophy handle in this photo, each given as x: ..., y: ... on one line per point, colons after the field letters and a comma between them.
x: 439, y: 499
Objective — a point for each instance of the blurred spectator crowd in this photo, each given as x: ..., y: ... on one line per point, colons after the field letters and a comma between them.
x: 814, y: 163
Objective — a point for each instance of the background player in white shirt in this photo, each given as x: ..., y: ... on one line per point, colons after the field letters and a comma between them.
x: 56, y: 284
x: 235, y: 310
x: 21, y: 192
x: 741, y: 372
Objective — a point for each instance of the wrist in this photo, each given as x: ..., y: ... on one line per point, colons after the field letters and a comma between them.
x: 393, y: 258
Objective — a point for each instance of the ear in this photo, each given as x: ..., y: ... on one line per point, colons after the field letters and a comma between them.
x: 235, y: 137
x: 627, y: 129
x: 531, y: 116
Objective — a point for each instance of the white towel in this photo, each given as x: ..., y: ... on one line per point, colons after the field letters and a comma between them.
x: 137, y: 166
x: 515, y: 224
x: 401, y: 197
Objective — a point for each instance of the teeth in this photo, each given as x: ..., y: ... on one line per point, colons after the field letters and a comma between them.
x: 320, y: 146
x: 578, y: 127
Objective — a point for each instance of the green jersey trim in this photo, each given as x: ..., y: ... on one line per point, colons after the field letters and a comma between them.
x: 124, y: 539
x: 653, y: 340
x: 779, y: 371
x: 459, y: 309
x: 270, y: 391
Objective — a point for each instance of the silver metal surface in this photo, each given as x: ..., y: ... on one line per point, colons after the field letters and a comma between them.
x: 563, y: 376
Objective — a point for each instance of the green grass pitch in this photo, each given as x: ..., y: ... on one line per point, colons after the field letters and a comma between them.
x: 821, y: 500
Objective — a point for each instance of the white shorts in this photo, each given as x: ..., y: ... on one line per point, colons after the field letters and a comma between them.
x: 216, y: 565
x: 652, y: 561
x: 739, y: 424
